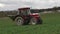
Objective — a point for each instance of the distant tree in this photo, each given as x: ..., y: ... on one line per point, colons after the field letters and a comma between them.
x: 55, y: 9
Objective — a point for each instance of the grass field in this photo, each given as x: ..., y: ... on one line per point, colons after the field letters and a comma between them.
x: 51, y: 25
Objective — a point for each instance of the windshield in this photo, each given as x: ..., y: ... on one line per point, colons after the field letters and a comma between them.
x: 25, y: 12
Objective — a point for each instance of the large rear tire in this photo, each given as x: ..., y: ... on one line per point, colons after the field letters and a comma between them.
x: 19, y: 21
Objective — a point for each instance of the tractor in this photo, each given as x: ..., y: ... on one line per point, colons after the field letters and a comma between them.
x: 25, y: 16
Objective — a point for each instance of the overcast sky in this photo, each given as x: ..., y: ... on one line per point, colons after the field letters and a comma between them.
x: 39, y: 4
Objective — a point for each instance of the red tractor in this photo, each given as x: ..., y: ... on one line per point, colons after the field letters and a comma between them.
x: 26, y: 16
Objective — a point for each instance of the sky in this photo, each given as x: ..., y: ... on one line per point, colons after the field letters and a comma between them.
x: 33, y: 4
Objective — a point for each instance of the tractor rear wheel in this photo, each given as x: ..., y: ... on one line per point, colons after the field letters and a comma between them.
x: 19, y: 21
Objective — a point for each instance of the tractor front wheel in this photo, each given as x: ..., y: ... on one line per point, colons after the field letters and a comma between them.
x: 33, y: 21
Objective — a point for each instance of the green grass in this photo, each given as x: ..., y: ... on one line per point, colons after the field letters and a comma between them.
x: 51, y: 25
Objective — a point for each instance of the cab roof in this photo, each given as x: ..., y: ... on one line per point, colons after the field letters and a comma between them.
x: 23, y: 8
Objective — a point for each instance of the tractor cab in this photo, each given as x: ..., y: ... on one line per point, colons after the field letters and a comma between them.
x: 24, y: 11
